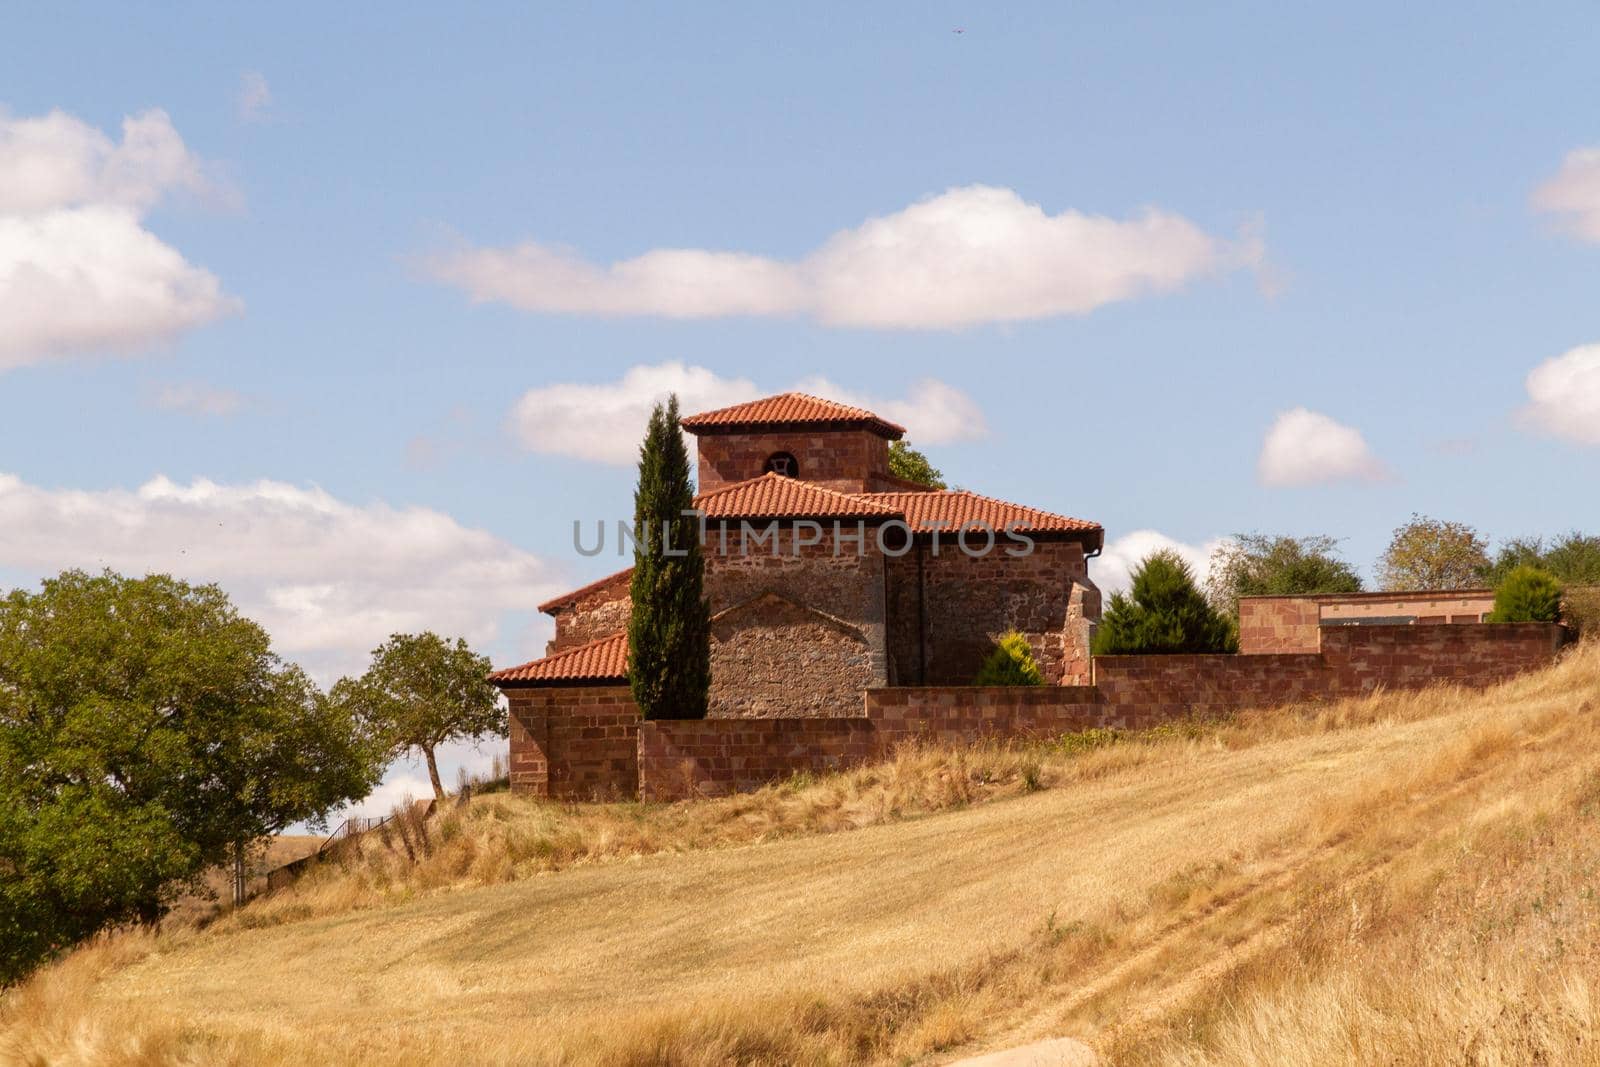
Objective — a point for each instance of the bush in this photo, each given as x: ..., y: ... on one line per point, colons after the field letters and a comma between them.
x: 1011, y: 663
x: 1527, y: 594
x: 1580, y: 609
x: 1164, y: 612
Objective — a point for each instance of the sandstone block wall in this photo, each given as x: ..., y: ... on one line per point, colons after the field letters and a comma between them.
x: 574, y: 742
x: 853, y: 461
x: 714, y: 757
x: 1279, y: 624
x: 946, y: 610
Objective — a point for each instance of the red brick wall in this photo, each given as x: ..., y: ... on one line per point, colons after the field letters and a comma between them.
x: 1278, y: 624
x: 1354, y: 660
x: 713, y: 757
x: 574, y: 742
x: 965, y: 603
x: 851, y: 461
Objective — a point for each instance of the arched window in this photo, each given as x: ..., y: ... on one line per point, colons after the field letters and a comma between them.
x: 782, y: 463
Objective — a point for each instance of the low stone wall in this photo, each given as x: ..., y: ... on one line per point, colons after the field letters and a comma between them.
x: 588, y: 742
x: 681, y: 758
x: 713, y: 757
x: 1353, y: 661
x: 574, y: 742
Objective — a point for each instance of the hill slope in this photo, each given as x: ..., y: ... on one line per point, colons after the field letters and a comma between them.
x: 1247, y: 895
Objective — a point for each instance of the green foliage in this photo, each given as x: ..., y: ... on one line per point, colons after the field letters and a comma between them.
x: 1433, y: 554
x: 910, y: 464
x: 1573, y: 558
x: 1164, y: 612
x: 669, y: 632
x: 1527, y: 594
x: 1258, y: 565
x: 146, y: 732
x: 422, y: 691
x: 1010, y: 663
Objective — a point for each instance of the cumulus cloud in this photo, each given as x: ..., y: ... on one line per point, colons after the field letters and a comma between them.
x: 1305, y: 447
x: 1573, y: 194
x: 196, y: 398
x: 255, y: 96
x: 971, y: 255
x: 1112, y: 570
x: 1564, y: 396
x: 78, y: 270
x: 604, y: 422
x: 328, y: 579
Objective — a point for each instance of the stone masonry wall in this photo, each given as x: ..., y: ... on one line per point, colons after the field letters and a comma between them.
x: 574, y: 742
x: 713, y: 757
x: 851, y: 461
x: 599, y: 612
x: 771, y: 657
x: 1278, y: 624
x: 966, y: 603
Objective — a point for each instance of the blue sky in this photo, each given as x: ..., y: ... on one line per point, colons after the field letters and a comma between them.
x: 1193, y: 221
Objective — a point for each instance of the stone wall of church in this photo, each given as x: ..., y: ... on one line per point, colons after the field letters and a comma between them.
x: 850, y: 461
x: 599, y: 612
x: 940, y: 635
x: 773, y: 658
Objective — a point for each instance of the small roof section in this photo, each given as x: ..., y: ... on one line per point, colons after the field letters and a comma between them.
x: 951, y: 508
x: 791, y: 411
x: 773, y: 496
x: 598, y: 662
x: 568, y: 599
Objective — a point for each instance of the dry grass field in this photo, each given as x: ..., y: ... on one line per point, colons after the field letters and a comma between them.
x: 1405, y: 879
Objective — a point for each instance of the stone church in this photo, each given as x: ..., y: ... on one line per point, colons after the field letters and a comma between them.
x: 828, y: 576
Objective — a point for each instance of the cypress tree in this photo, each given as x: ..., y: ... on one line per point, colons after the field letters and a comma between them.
x: 669, y: 633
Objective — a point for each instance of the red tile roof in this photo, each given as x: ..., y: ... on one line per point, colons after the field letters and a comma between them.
x: 605, y: 660
x: 790, y: 409
x: 582, y: 591
x: 952, y: 508
x: 772, y: 496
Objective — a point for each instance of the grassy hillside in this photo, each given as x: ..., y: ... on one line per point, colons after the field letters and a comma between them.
x: 1408, y: 879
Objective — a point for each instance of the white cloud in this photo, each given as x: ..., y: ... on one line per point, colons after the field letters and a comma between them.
x: 971, y: 255
x: 1305, y: 447
x: 328, y: 579
x: 605, y: 422
x: 1573, y: 194
x: 1112, y: 570
x: 78, y: 270
x: 196, y: 398
x: 255, y: 96
x: 1564, y: 396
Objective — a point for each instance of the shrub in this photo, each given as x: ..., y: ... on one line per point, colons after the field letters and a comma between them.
x: 1527, y: 594
x: 1581, y: 610
x: 1010, y: 663
x: 1164, y: 612
x: 1259, y: 565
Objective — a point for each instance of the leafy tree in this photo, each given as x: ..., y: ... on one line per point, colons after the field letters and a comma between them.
x: 1527, y: 594
x: 1163, y: 612
x: 1573, y: 558
x: 669, y: 631
x: 911, y: 465
x: 1259, y: 565
x: 1010, y: 663
x: 422, y: 691
x: 147, y: 732
x: 1433, y: 554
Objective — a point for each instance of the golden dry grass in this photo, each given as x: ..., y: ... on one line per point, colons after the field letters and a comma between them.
x: 1406, y: 879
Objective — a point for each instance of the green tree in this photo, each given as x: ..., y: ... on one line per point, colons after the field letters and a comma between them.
x: 147, y: 732
x: 1163, y: 612
x: 1010, y: 663
x: 1259, y: 565
x: 1433, y: 554
x: 911, y: 465
x: 669, y: 630
x: 422, y: 691
x: 1527, y: 594
x: 1573, y: 558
